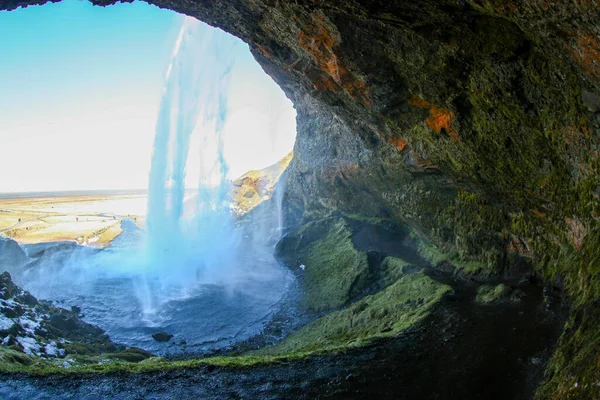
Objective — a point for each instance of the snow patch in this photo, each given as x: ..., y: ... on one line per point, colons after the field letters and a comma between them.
x: 52, y: 350
x: 29, y: 325
x: 30, y: 346
x: 5, y: 322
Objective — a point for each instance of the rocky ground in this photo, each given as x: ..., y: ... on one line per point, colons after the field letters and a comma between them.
x: 35, y: 333
x: 410, y: 328
x: 463, y: 349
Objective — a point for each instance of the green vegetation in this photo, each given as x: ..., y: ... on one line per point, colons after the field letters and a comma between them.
x: 12, y: 361
x: 334, y: 271
x: 574, y: 371
x: 491, y: 294
x: 394, y: 268
x: 383, y: 314
x: 435, y: 257
x: 332, y: 267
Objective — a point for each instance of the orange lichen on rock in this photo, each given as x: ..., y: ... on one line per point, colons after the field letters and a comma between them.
x: 341, y: 171
x: 399, y: 143
x: 440, y: 120
x: 587, y: 53
x: 538, y: 212
x: 420, y: 162
x: 519, y: 246
x: 265, y: 52
x: 319, y: 41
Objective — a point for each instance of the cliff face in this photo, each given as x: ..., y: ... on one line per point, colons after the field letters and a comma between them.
x: 474, y: 122
x: 256, y: 186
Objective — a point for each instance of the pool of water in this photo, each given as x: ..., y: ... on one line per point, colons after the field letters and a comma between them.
x: 203, y: 310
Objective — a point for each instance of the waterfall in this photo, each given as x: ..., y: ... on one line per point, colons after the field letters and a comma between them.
x: 194, y: 271
x: 188, y: 239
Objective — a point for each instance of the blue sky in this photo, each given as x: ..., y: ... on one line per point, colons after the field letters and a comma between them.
x: 80, y: 89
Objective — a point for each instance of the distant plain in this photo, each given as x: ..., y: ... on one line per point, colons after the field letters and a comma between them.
x: 92, y: 219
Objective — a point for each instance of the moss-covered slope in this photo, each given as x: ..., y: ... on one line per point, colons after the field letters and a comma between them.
x: 333, y: 272
x: 387, y: 313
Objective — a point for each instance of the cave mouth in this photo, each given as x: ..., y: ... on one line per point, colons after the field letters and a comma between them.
x: 186, y: 274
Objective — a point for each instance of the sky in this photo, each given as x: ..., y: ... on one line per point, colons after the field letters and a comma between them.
x: 80, y: 92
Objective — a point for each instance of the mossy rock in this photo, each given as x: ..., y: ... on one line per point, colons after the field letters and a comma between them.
x: 394, y: 268
x: 132, y: 354
x: 386, y: 313
x: 487, y: 294
x: 437, y: 258
x: 333, y: 271
x: 12, y: 357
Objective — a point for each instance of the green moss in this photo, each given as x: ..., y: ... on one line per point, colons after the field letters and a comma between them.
x: 431, y: 253
x: 435, y: 257
x: 11, y: 358
x: 334, y: 270
x: 386, y: 313
x: 365, y: 219
x: 131, y: 354
x: 103, y: 365
x: 574, y: 371
x: 490, y: 294
x: 394, y: 268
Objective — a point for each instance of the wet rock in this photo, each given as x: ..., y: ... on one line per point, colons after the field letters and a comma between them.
x: 591, y: 101
x: 36, y: 328
x: 132, y: 354
x: 162, y: 336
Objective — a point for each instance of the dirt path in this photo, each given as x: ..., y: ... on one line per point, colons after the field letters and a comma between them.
x: 463, y: 350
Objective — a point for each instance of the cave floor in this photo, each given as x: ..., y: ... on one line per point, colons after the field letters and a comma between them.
x: 462, y: 350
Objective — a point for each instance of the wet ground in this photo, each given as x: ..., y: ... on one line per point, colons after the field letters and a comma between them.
x: 462, y: 350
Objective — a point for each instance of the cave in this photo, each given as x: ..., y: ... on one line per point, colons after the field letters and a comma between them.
x: 443, y: 147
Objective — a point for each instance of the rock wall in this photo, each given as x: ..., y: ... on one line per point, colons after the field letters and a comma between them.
x: 475, y: 122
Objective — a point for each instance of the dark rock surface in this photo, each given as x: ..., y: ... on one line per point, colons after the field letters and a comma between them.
x: 37, y: 328
x: 463, y: 350
x: 162, y: 336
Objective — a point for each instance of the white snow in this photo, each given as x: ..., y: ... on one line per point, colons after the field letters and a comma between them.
x: 11, y: 303
x: 29, y: 325
x: 52, y: 350
x: 30, y: 346
x: 5, y: 322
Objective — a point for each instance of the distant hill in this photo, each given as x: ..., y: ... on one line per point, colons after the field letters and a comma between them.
x: 256, y: 186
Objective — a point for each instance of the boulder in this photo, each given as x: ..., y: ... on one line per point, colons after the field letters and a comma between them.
x: 162, y: 336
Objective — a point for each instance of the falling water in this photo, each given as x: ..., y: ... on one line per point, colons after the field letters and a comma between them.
x: 194, y: 101
x: 194, y: 96
x: 192, y: 272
